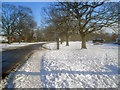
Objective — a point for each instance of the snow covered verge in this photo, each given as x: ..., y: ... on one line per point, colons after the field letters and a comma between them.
x: 15, y: 45
x: 72, y: 67
x: 69, y: 67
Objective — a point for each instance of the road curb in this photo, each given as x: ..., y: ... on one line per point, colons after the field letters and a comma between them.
x: 20, y: 60
x: 18, y: 66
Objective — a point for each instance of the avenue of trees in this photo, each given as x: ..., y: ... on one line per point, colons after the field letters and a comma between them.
x: 63, y: 21
x: 82, y: 18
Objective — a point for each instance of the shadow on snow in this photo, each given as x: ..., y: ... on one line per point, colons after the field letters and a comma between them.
x: 43, y: 73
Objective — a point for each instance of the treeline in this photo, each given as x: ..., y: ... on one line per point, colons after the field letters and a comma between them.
x: 49, y: 34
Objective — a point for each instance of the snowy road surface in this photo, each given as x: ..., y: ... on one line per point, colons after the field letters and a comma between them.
x: 69, y: 67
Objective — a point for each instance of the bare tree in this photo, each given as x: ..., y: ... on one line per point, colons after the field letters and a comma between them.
x: 54, y: 19
x: 61, y: 23
x: 25, y: 22
x: 66, y: 28
x: 16, y: 20
x: 91, y: 16
x: 9, y: 17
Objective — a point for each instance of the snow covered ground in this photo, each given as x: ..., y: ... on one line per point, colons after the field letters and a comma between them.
x: 15, y: 45
x: 69, y: 67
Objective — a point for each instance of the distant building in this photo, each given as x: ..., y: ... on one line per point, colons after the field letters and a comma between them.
x: 3, y: 38
x: 114, y: 36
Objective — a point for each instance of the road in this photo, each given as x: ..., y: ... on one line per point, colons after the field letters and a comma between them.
x: 12, y: 58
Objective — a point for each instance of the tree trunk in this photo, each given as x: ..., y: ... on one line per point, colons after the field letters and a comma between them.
x: 61, y: 41
x: 83, y: 37
x: 67, y: 39
x: 9, y: 39
x: 57, y: 43
x: 19, y: 39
